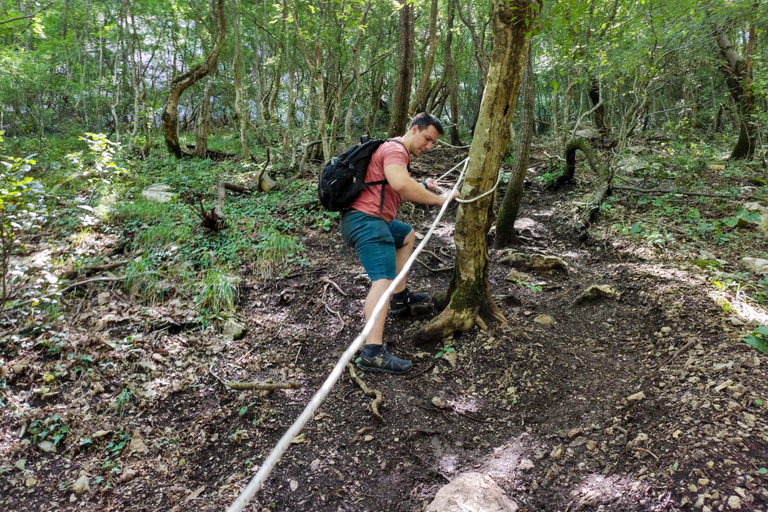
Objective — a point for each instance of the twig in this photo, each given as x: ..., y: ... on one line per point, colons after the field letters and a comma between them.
x: 680, y: 351
x: 373, y: 393
x: 438, y: 258
x: 440, y: 269
x: 295, y: 359
x: 210, y: 370
x: 670, y: 191
x: 266, y: 386
x: 326, y: 280
x: 649, y: 452
x: 338, y: 316
x: 359, y: 433
x: 95, y: 279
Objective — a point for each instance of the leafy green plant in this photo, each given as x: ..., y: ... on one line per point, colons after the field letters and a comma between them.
x: 141, y: 280
x: 535, y: 288
x: 445, y: 350
x: 758, y: 339
x: 97, y: 167
x: 274, y: 252
x: 53, y: 428
x: 122, y: 400
x: 219, y: 292
x: 21, y: 212
x: 113, y: 450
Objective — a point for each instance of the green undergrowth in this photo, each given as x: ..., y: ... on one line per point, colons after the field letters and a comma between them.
x: 91, y: 204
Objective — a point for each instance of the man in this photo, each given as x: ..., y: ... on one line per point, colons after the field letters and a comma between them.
x: 383, y: 243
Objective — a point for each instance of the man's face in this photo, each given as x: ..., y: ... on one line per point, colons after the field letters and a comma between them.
x: 423, y: 139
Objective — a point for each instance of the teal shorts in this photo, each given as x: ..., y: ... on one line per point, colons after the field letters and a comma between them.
x: 375, y: 241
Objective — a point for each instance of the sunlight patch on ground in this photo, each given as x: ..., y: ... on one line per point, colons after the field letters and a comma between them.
x: 739, y: 304
x: 596, y: 489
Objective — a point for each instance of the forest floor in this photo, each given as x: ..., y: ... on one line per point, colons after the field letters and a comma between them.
x: 646, y: 400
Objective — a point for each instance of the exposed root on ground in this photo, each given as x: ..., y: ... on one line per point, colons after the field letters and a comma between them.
x: 369, y: 392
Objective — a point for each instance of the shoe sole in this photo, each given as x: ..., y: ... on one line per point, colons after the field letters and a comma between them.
x: 382, y: 370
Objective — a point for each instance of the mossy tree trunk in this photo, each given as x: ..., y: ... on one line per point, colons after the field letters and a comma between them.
x: 469, y: 291
x: 182, y: 82
x: 505, y: 224
x: 399, y: 121
x: 738, y: 77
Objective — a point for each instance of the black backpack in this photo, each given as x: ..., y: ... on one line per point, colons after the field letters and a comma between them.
x: 343, y: 177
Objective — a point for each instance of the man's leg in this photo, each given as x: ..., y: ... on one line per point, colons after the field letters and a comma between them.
x: 377, y: 290
x: 402, y: 254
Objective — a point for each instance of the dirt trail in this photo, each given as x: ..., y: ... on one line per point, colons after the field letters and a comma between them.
x: 641, y: 402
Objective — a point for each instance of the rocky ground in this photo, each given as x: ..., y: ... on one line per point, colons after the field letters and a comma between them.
x: 620, y: 383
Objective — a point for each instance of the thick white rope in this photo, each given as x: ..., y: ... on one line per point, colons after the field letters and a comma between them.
x: 284, y: 443
x: 465, y: 163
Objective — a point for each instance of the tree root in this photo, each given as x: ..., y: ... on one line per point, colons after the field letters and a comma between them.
x: 369, y: 392
x: 359, y: 434
x: 263, y: 386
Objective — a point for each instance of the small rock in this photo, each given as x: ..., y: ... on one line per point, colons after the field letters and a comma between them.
x: 31, y: 481
x: 591, y: 445
x: 756, y: 265
x: 734, y: 503
x: 158, y: 357
x: 451, y: 357
x: 544, y: 320
x: 233, y: 330
x: 368, y: 438
x: 81, y: 485
x: 47, y: 446
x: 158, y: 192
x: 598, y: 290
x: 736, y: 321
x: 147, y: 366
x: 703, y: 481
x: 542, y: 263
x: 527, y: 313
x: 128, y: 475
x: 514, y: 276
x: 471, y: 491
x: 574, y: 432
x: 636, y: 397
x: 18, y: 368
x: 557, y: 452
x: 699, y: 501
x: 692, y: 488
x: 666, y: 330
x: 21, y: 464
x: 526, y: 465
x: 314, y: 465
x: 439, y: 402
x: 294, y: 485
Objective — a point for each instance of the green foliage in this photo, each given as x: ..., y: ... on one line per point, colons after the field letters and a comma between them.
x: 759, y: 339
x: 219, y: 293
x: 275, y: 252
x: 97, y: 167
x: 444, y: 350
x: 53, y: 428
x: 535, y: 288
x: 122, y: 400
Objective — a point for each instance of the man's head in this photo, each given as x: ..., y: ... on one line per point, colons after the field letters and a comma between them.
x: 423, y: 131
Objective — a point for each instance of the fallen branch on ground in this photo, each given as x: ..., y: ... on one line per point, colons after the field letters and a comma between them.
x: 670, y: 191
x: 264, y: 386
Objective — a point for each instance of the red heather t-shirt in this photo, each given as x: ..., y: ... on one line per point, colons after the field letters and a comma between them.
x: 389, y: 153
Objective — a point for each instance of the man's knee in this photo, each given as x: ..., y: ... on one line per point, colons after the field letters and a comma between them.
x: 410, y: 238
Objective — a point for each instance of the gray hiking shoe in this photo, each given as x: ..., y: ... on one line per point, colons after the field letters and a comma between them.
x: 398, y: 306
x: 383, y: 362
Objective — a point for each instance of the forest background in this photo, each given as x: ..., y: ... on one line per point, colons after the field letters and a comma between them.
x: 101, y: 100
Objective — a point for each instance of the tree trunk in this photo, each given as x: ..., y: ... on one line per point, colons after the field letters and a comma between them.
x: 203, y: 120
x: 421, y: 91
x: 599, y: 113
x: 469, y: 291
x: 182, y: 82
x: 505, y: 225
x: 240, y: 90
x: 453, y: 83
x: 399, y: 121
x: 478, y: 41
x: 738, y: 77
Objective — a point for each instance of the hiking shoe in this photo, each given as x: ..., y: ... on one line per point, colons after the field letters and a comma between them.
x: 383, y: 362
x: 400, y: 305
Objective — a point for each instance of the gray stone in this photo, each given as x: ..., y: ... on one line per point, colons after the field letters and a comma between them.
x: 159, y: 193
x: 233, y: 330
x: 598, y: 290
x: 472, y: 492
x: 47, y: 446
x: 81, y: 485
x: 541, y: 262
x: 756, y: 265
x: 734, y: 503
x: 544, y: 320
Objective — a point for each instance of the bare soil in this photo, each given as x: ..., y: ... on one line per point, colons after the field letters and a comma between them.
x: 645, y: 402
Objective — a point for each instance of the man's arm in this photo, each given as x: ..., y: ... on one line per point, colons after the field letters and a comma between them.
x: 402, y: 183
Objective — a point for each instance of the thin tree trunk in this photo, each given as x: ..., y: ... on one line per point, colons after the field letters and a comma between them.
x: 240, y: 90
x: 453, y: 83
x: 738, y: 77
x: 182, y: 82
x: 421, y: 90
x: 505, y: 225
x: 469, y: 291
x: 399, y: 121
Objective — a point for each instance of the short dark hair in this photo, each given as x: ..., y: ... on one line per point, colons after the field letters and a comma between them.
x: 424, y: 120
